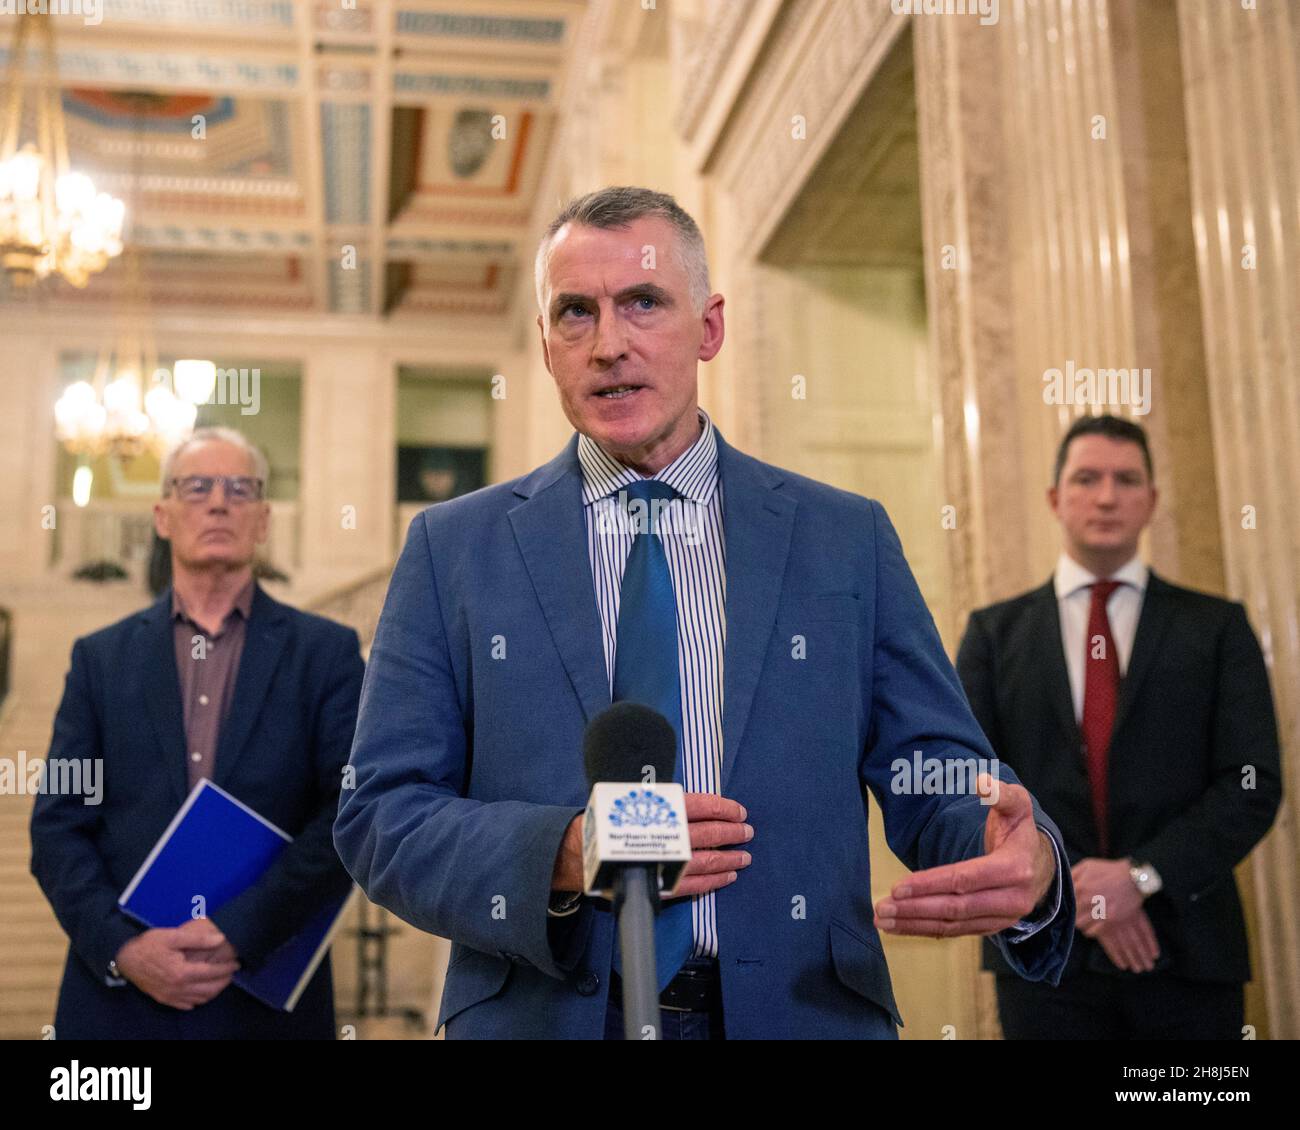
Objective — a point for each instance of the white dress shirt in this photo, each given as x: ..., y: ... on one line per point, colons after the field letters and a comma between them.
x: 1073, y: 600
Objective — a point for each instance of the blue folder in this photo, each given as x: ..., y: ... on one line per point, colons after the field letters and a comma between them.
x: 217, y: 847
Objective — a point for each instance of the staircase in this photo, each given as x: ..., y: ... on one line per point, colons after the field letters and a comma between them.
x: 31, y: 941
x: 32, y: 944
x: 414, y: 962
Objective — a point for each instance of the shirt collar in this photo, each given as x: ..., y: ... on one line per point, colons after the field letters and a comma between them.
x: 243, y: 602
x: 693, y: 474
x: 1070, y: 576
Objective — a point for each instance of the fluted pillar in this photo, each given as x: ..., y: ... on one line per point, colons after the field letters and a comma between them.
x: 1241, y: 81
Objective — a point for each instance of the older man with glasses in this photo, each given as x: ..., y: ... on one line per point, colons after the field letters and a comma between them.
x: 215, y: 680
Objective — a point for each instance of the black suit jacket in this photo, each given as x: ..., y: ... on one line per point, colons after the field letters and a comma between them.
x: 1194, y: 721
x: 281, y: 751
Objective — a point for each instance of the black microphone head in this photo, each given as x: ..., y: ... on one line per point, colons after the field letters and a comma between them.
x: 622, y: 741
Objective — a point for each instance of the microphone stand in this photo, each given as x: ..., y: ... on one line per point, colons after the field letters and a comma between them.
x: 635, y: 914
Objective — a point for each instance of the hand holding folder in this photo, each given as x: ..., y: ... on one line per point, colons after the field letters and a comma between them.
x: 215, y: 848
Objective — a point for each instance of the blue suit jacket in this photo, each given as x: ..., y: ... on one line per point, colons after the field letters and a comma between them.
x: 486, y: 667
x: 282, y: 750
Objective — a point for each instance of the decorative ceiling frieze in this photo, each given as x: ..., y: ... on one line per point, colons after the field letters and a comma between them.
x: 381, y: 157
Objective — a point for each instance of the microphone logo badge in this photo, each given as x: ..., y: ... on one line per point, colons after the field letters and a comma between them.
x: 629, y: 825
x: 642, y: 808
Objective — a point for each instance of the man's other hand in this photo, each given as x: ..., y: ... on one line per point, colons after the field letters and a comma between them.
x: 180, y: 967
x: 1130, y: 944
x: 1104, y: 891
x: 984, y: 895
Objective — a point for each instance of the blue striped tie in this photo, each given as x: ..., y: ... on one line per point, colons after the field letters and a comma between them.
x: 645, y: 671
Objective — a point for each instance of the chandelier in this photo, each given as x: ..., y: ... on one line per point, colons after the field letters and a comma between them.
x: 114, y: 413
x: 131, y: 405
x: 52, y: 221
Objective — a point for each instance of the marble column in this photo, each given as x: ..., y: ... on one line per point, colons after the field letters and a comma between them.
x: 27, y: 487
x: 348, y: 475
x: 1241, y: 85
x: 973, y: 344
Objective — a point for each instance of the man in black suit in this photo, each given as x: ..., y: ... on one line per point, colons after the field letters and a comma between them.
x: 1139, y: 713
x: 218, y: 680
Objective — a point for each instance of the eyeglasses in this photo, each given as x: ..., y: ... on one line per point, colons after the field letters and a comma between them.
x: 238, y: 488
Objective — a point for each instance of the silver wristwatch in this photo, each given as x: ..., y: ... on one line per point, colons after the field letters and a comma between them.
x: 1146, y: 878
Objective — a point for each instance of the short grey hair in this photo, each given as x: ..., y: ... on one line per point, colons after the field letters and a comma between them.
x: 261, y: 469
x: 617, y: 207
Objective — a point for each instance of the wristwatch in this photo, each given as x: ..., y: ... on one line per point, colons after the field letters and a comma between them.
x: 1146, y: 878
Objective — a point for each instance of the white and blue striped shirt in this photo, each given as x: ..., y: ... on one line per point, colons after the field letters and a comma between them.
x: 690, y: 528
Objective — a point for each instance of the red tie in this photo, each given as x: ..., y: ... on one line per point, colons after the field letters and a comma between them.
x: 1100, y: 696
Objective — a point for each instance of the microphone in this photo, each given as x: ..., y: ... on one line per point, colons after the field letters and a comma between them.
x: 635, y: 840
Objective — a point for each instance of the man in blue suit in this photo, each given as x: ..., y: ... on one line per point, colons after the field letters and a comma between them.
x: 803, y: 669
x: 216, y: 680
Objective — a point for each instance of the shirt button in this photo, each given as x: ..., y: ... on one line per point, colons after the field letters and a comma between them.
x: 588, y: 983
x: 196, y: 756
x: 203, y: 700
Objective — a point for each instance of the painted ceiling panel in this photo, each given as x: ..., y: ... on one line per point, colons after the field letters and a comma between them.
x: 326, y: 177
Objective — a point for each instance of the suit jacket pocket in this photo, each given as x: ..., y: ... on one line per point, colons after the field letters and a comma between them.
x: 860, y: 964
x: 472, y: 977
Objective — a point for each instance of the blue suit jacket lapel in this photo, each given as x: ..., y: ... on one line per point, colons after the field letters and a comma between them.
x: 551, y: 533
x: 1054, y: 669
x: 758, y: 523
x: 264, y: 639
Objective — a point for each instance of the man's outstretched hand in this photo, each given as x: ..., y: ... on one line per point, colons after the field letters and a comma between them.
x: 984, y: 895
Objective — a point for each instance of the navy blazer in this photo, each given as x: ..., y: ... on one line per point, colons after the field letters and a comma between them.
x: 486, y: 667
x: 281, y: 751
